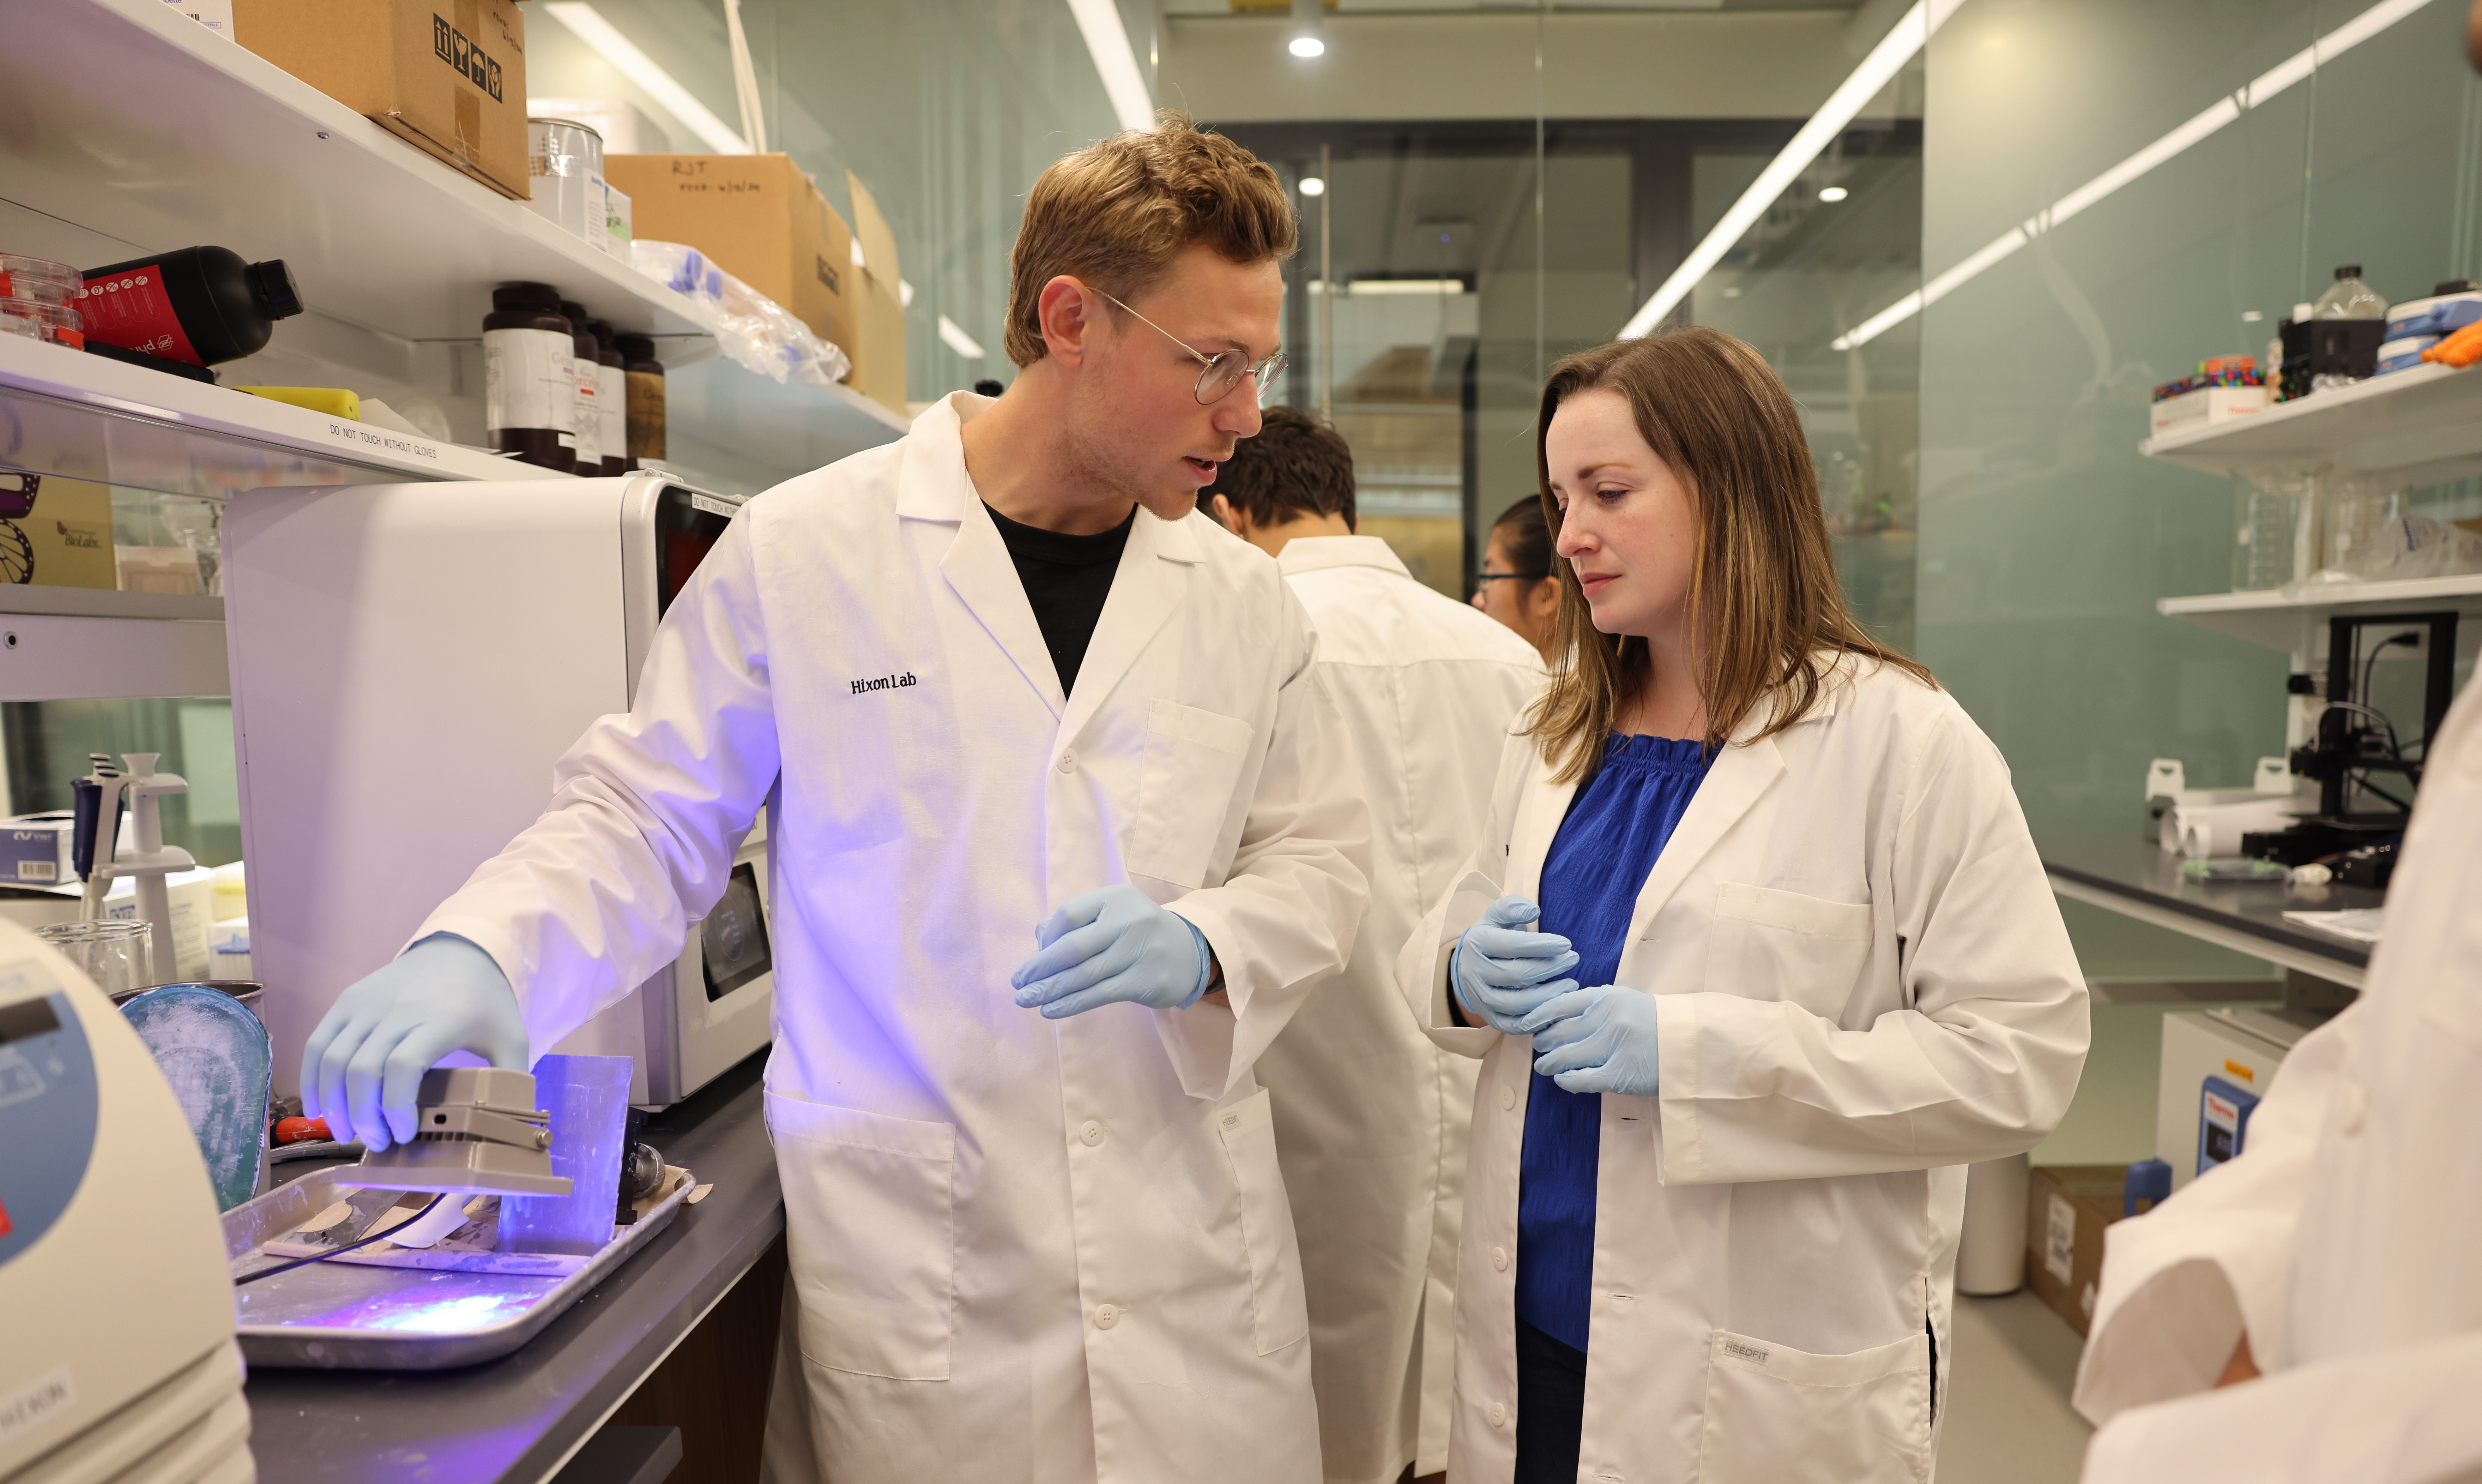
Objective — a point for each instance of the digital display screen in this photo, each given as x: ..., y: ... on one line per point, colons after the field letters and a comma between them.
x: 26, y: 1018
x: 732, y: 940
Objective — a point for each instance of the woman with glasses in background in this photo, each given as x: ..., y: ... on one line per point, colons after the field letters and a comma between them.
x: 1515, y: 585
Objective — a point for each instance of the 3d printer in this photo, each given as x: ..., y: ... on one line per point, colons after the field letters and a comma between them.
x: 2356, y: 744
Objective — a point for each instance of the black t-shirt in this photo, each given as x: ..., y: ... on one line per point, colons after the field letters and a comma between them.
x: 1067, y: 579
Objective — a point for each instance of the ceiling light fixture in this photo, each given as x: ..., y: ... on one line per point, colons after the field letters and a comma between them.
x: 2265, y: 87
x: 1905, y: 39
x: 1832, y: 194
x: 635, y: 65
x: 1308, y: 29
x: 1311, y: 185
x: 1107, y: 41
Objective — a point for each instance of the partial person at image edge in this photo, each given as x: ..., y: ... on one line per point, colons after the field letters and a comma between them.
x: 1371, y: 1117
x: 1805, y: 966
x: 2309, y: 1311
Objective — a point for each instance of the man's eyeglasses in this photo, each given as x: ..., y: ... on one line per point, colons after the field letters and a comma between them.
x: 1510, y: 577
x: 1223, y: 370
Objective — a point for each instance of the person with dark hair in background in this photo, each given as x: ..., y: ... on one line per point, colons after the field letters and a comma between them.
x: 1370, y: 1117
x: 1516, y: 585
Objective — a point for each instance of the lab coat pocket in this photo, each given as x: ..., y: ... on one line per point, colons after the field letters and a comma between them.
x: 1278, y: 1310
x: 1775, y: 1413
x: 1185, y: 785
x: 1774, y: 944
x: 870, y: 1225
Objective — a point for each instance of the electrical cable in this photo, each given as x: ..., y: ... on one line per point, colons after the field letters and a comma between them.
x: 427, y: 1207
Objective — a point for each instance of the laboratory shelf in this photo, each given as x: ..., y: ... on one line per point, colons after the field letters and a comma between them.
x: 73, y: 415
x: 188, y: 137
x: 105, y: 603
x: 2423, y: 425
x: 742, y: 432
x: 2286, y: 620
x: 131, y: 120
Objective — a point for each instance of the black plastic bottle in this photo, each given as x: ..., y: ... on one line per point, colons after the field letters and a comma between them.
x: 199, y: 305
x: 611, y: 398
x: 584, y: 364
x: 646, y: 397
x: 529, y: 390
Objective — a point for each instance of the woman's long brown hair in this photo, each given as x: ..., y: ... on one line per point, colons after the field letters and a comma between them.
x: 1765, y: 612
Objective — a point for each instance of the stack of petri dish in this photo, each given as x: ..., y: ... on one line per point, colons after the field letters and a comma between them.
x: 35, y: 298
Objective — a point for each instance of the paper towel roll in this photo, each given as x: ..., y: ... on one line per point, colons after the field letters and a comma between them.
x: 1990, y: 1255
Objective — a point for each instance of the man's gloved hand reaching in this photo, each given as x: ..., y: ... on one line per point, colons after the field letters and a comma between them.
x: 1113, y: 944
x: 364, y: 1063
x: 1504, y: 976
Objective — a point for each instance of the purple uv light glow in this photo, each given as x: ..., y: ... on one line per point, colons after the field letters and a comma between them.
x: 459, y: 1304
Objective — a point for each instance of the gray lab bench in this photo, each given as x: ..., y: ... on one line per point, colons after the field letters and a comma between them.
x: 518, y: 1419
x: 2135, y: 878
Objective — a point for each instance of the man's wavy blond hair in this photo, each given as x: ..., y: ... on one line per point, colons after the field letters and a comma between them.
x: 1118, y: 212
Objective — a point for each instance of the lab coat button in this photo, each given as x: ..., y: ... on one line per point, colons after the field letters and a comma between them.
x: 1508, y: 1097
x: 1498, y: 1415
x: 1499, y: 1259
x: 1089, y: 1134
x: 1106, y: 1316
x: 1067, y: 760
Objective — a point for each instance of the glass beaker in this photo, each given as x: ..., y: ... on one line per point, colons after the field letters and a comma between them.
x: 2266, y: 530
x: 115, y: 954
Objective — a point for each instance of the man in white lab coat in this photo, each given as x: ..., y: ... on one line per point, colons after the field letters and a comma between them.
x: 1036, y: 1224
x: 1371, y: 1117
x: 2338, y: 1251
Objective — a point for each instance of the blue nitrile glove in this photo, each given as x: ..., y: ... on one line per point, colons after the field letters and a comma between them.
x: 1504, y: 975
x: 1113, y: 943
x: 1600, y: 1040
x: 366, y: 1061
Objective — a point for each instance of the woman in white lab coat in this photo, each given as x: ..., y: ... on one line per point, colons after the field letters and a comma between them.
x: 1799, y: 966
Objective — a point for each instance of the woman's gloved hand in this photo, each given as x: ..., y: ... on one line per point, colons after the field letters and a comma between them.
x: 1113, y: 944
x: 366, y: 1061
x: 1599, y: 1040
x: 1504, y: 975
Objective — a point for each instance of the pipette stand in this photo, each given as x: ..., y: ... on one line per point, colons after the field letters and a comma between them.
x: 149, y: 859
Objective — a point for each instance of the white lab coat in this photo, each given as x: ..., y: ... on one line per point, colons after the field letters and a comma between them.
x: 1370, y: 1116
x: 1024, y: 1250
x: 2343, y: 1238
x: 1862, y: 985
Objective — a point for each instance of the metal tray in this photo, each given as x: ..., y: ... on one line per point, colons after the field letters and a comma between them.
x: 353, y: 1317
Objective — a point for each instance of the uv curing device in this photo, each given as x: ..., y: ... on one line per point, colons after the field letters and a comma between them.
x: 408, y: 661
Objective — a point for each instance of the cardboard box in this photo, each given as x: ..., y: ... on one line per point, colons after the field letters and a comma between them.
x: 192, y: 896
x: 878, y: 343
x: 68, y: 538
x: 449, y: 79
x: 758, y: 217
x: 2067, y: 1207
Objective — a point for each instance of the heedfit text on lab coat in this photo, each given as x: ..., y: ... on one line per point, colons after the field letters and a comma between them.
x: 1371, y: 1117
x: 1863, y: 985
x: 1024, y: 1250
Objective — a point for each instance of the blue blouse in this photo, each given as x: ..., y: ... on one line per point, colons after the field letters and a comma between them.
x: 1606, y: 848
